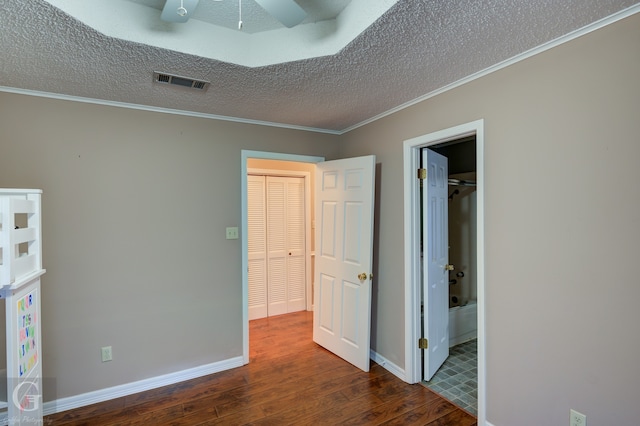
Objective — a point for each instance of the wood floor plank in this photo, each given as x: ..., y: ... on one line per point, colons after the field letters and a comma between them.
x: 457, y: 418
x: 289, y: 381
x: 298, y: 409
x: 393, y: 408
x: 90, y: 411
x: 218, y: 392
x: 163, y: 416
x: 237, y: 418
x: 328, y: 415
x: 424, y: 414
x: 373, y: 385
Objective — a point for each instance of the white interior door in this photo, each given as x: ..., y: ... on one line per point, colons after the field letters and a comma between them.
x: 436, y: 259
x: 344, y: 200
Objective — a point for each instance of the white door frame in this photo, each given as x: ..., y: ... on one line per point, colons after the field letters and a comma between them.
x: 306, y: 176
x: 244, y: 156
x: 411, y: 153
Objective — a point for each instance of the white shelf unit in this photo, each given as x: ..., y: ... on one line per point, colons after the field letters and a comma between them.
x: 20, y: 271
x: 20, y: 236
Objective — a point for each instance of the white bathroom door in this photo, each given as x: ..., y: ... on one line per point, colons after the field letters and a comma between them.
x: 344, y: 198
x: 436, y: 260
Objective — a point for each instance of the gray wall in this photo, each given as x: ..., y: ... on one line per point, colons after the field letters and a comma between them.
x: 135, y: 206
x: 562, y: 211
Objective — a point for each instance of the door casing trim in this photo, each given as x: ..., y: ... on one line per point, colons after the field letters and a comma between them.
x: 411, y: 157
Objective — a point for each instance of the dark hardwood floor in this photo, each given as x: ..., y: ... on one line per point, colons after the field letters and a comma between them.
x: 289, y: 381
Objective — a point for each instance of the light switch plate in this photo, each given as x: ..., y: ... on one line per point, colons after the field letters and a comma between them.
x: 232, y: 233
x: 107, y: 354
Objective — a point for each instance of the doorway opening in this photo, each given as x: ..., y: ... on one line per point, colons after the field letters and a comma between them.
x: 246, y: 157
x: 343, y: 266
x: 457, y: 377
x: 279, y: 236
x: 412, y: 231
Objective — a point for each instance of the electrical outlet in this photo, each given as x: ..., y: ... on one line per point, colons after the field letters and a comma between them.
x: 107, y: 355
x: 577, y: 419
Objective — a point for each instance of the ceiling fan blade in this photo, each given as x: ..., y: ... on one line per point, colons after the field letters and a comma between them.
x: 170, y: 12
x: 286, y: 11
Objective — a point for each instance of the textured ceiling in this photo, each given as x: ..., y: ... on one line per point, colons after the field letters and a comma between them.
x: 415, y: 48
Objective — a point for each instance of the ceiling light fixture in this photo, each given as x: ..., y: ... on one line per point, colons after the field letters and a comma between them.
x: 288, y: 12
x: 181, y: 10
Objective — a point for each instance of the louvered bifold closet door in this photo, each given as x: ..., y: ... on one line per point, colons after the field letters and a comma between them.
x: 276, y: 244
x: 285, y: 244
x: 295, y: 245
x: 257, y: 247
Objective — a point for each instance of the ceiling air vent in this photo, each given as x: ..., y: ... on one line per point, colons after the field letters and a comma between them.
x: 176, y: 80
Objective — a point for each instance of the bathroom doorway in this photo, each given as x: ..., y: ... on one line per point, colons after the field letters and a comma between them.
x: 457, y: 377
x: 412, y: 150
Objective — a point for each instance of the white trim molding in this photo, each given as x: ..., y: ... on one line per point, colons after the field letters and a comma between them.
x: 411, y: 154
x: 69, y: 403
x: 517, y: 58
x: 507, y: 62
x: 388, y: 365
x: 162, y: 110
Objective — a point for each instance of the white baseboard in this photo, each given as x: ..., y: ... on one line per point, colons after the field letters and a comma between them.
x: 389, y: 366
x: 69, y: 403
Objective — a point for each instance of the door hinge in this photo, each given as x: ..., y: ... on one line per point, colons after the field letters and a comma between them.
x: 422, y: 174
x: 423, y: 343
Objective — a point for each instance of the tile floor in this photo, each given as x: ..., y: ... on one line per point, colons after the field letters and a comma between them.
x: 457, y: 379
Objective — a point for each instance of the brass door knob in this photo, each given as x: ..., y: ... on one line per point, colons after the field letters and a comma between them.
x: 448, y: 267
x: 362, y: 276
